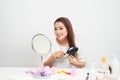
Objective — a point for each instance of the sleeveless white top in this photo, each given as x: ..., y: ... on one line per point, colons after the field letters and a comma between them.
x: 64, y: 62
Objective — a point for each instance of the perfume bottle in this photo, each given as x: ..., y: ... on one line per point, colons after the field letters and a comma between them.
x: 104, y: 66
x: 115, y: 65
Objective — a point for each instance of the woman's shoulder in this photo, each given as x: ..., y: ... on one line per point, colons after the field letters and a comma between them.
x: 54, y: 44
x: 80, y: 49
x: 77, y: 43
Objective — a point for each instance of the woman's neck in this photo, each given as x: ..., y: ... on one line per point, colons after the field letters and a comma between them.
x: 63, y: 42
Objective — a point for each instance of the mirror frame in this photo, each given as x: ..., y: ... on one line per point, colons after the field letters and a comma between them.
x: 46, y: 38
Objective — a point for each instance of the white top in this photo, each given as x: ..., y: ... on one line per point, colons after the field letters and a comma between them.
x: 64, y: 62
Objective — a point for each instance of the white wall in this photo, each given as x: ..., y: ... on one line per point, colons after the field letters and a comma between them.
x: 96, y: 24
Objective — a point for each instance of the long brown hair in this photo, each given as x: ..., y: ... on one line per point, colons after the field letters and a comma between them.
x: 68, y: 25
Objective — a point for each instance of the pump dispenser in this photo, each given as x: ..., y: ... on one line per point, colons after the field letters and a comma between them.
x: 115, y: 65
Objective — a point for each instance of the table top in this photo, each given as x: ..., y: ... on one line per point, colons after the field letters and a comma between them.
x: 19, y: 73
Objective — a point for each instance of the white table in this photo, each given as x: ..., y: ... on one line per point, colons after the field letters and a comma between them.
x: 19, y: 73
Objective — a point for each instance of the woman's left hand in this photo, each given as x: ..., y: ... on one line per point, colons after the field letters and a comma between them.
x: 73, y: 60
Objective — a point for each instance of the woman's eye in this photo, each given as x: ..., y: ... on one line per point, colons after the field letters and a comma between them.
x: 55, y: 29
x: 61, y: 28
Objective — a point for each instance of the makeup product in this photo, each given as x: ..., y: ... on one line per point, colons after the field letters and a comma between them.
x: 87, y: 76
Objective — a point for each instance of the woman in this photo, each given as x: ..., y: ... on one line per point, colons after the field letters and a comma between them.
x: 64, y: 39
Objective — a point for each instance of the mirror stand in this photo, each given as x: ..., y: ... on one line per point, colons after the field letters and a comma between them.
x: 41, y: 61
x: 42, y: 46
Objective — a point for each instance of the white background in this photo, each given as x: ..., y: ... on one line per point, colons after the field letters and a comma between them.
x: 96, y: 25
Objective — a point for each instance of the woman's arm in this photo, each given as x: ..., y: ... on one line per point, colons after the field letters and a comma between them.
x: 81, y: 64
x: 50, y: 61
x: 52, y: 58
x: 74, y: 61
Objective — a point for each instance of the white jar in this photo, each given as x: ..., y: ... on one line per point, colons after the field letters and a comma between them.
x: 115, y: 65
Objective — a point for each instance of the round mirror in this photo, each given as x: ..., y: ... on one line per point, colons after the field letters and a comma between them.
x: 41, y: 44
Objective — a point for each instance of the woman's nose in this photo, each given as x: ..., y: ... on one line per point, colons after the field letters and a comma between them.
x: 58, y: 31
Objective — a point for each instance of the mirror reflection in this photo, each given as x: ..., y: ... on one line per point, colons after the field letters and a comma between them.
x: 41, y: 44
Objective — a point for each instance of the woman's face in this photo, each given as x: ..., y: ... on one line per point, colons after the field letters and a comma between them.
x: 60, y: 31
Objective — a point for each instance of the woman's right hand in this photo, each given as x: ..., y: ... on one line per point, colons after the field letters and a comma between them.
x: 58, y: 54
x: 55, y: 55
